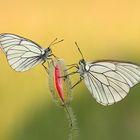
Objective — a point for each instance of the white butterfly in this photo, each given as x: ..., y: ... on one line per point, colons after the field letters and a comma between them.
x: 108, y: 81
x: 23, y: 54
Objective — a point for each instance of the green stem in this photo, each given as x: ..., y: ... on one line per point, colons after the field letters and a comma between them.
x: 72, y: 122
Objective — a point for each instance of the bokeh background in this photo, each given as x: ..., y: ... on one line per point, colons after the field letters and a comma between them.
x: 104, y: 29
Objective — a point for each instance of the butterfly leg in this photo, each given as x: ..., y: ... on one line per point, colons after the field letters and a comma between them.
x: 55, y: 56
x: 65, y: 76
x: 49, y: 58
x: 43, y: 64
x: 78, y: 82
x: 72, y: 66
x: 72, y: 73
x: 52, y: 62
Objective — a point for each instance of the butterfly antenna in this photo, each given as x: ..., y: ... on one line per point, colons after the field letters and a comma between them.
x: 55, y: 42
x: 52, y: 42
x: 79, y: 50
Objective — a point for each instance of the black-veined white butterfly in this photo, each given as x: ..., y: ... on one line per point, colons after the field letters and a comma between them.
x: 108, y: 81
x: 23, y: 54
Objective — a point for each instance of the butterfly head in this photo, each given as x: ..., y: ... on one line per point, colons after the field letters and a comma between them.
x: 48, y: 51
x: 82, y: 66
x: 82, y: 62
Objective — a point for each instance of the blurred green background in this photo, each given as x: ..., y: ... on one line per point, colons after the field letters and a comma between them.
x: 104, y: 30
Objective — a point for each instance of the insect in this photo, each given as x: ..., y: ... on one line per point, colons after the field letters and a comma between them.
x: 23, y: 54
x: 108, y: 81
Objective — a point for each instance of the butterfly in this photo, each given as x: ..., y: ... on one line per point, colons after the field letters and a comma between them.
x: 108, y: 81
x: 23, y: 54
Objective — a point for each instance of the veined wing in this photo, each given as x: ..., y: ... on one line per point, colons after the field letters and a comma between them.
x: 110, y: 81
x: 22, y: 54
x: 9, y: 40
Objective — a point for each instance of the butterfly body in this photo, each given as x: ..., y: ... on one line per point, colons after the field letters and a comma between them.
x: 83, y: 67
x: 46, y: 54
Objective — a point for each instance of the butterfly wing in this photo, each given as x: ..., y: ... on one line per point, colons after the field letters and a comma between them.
x: 22, y: 54
x: 110, y: 81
